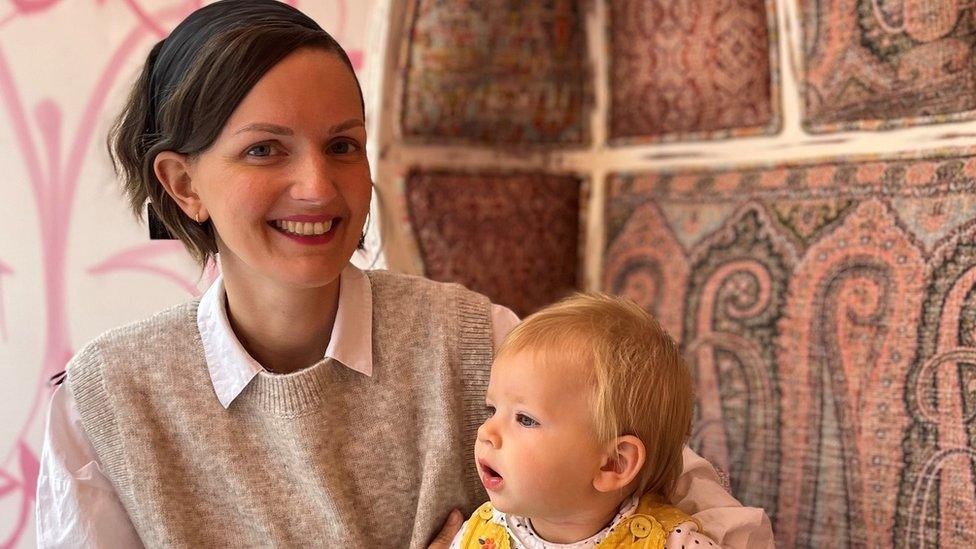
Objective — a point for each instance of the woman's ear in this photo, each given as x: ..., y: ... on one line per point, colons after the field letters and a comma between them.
x: 623, y: 460
x: 173, y: 171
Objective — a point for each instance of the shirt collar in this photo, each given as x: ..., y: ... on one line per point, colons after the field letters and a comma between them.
x: 232, y: 368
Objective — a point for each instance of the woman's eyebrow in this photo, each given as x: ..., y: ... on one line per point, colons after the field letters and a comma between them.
x: 265, y: 127
x: 343, y: 126
x: 282, y: 130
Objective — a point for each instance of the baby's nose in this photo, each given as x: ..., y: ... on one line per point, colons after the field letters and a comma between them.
x: 488, y: 435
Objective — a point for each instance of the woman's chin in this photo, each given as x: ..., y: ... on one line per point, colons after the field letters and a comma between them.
x: 308, y: 281
x: 306, y: 271
x: 303, y: 273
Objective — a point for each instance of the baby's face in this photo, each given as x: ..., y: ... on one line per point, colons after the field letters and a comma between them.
x: 538, y: 452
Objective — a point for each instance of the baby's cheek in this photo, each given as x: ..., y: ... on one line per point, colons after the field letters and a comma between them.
x: 566, y: 472
x: 535, y: 471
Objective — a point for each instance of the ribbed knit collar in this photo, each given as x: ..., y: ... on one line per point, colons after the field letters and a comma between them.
x: 232, y: 368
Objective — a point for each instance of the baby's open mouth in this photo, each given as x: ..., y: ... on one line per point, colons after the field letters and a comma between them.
x: 490, y: 477
x: 491, y: 473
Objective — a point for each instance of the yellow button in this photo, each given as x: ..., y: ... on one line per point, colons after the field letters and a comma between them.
x: 640, y: 527
x: 485, y: 512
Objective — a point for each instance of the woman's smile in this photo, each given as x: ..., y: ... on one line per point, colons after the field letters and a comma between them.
x: 307, y: 229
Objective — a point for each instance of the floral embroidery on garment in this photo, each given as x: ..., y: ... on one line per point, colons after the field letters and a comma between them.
x: 481, y: 532
x: 643, y: 523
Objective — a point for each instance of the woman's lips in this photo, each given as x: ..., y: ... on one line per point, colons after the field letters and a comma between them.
x: 306, y: 232
x: 489, y: 477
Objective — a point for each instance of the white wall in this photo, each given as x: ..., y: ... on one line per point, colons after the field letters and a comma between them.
x: 73, y: 261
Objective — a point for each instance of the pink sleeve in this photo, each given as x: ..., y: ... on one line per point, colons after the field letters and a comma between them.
x: 700, y: 494
x: 502, y: 322
x: 77, y: 506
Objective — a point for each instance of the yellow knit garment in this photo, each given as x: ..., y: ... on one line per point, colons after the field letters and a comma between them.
x: 647, y: 528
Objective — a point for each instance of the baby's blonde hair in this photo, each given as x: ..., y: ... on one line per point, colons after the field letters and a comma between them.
x: 642, y: 385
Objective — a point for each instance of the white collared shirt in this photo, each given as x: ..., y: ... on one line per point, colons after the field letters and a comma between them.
x: 351, y: 344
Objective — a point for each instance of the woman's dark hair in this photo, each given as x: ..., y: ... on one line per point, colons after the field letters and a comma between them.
x: 190, y: 85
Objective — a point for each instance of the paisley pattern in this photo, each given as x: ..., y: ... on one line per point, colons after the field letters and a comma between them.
x: 831, y: 327
x: 940, y: 485
x: 872, y: 64
x: 735, y: 298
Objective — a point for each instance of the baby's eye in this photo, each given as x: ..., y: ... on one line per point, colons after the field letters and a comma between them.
x: 490, y: 409
x: 525, y: 421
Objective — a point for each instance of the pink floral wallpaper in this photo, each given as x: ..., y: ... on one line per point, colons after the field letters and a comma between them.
x: 73, y: 262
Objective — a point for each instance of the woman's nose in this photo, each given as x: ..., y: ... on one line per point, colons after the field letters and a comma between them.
x: 315, y: 181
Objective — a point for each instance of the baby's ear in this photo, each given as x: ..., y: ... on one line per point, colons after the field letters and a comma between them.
x: 622, y: 462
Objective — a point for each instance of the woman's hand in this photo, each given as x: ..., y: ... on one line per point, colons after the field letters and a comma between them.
x: 450, y: 529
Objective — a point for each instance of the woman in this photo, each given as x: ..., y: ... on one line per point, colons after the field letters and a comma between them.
x: 300, y: 400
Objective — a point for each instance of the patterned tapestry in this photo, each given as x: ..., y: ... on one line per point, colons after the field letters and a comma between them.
x: 496, y: 72
x: 829, y: 314
x: 510, y: 236
x: 692, y: 69
x: 875, y: 64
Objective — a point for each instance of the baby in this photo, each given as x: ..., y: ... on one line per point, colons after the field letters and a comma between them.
x: 590, y: 405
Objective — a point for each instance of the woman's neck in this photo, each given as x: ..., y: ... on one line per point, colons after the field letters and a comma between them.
x: 284, y: 328
x: 580, y: 525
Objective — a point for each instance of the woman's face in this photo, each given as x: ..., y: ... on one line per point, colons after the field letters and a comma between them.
x: 287, y: 183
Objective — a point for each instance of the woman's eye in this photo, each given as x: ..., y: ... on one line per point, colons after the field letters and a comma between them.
x: 525, y: 421
x: 260, y: 151
x: 343, y: 147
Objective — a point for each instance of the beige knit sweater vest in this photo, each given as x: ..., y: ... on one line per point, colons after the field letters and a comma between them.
x: 323, y: 457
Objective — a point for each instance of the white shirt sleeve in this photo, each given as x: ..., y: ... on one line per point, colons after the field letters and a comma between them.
x: 699, y: 493
x: 502, y: 322
x: 77, y: 505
